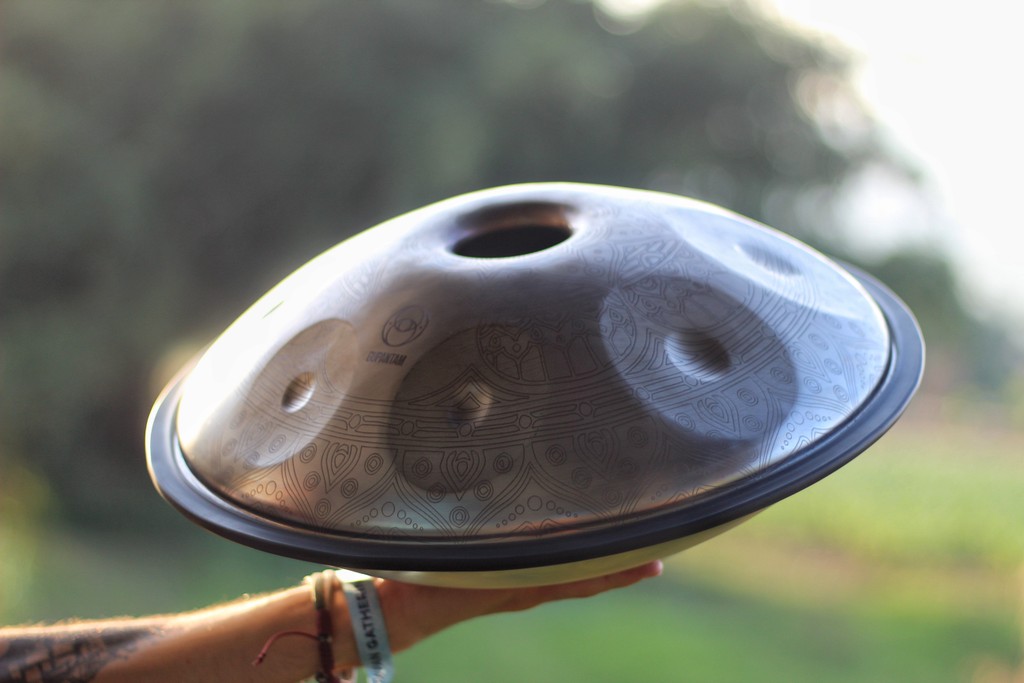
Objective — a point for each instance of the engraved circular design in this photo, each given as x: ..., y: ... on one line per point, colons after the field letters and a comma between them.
x: 349, y: 488
x: 661, y: 373
x: 405, y: 326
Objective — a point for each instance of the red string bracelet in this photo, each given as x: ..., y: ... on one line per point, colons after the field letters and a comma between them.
x: 323, y: 584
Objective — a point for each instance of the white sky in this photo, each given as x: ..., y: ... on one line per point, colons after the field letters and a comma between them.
x: 944, y: 78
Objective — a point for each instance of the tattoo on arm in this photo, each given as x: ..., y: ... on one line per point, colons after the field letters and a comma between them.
x: 75, y: 656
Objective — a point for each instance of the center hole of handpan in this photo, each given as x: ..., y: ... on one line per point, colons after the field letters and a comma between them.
x: 512, y: 230
x: 513, y: 241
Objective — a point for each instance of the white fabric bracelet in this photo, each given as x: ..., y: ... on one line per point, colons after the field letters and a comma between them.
x: 368, y: 626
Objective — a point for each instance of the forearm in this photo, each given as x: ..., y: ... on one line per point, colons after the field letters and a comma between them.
x: 220, y: 643
x: 73, y: 653
x: 216, y: 644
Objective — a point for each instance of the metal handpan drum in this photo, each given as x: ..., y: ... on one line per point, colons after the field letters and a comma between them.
x: 532, y: 384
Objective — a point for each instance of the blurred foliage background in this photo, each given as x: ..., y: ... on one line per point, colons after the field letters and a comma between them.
x: 163, y: 164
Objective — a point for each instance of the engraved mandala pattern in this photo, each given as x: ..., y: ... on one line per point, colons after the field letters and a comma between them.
x: 642, y: 363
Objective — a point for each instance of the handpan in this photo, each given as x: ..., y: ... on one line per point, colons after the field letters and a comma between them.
x: 532, y: 384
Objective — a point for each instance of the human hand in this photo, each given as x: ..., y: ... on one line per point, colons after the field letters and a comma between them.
x: 414, y: 612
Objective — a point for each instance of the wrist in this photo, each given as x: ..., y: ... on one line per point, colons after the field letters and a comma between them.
x: 396, y: 601
x: 315, y: 616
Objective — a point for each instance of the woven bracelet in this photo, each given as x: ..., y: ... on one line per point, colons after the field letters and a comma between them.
x: 368, y: 627
x: 323, y: 585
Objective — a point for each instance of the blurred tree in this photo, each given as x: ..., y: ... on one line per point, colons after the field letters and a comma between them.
x: 165, y: 163
x: 978, y: 355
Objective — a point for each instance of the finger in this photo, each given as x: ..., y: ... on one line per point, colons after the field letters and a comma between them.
x: 528, y: 598
x: 590, y: 587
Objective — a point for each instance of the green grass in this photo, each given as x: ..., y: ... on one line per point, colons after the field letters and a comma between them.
x: 905, y: 566
x: 689, y: 631
x: 949, y: 495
